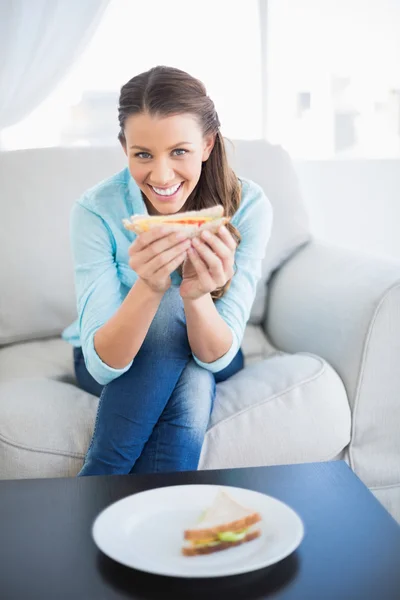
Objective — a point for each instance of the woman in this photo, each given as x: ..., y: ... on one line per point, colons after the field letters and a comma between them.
x: 161, y: 317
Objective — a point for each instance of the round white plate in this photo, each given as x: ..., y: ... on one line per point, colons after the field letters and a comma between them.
x: 145, y: 531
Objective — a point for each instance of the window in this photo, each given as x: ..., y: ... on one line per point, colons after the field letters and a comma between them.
x: 334, y: 77
x: 216, y: 41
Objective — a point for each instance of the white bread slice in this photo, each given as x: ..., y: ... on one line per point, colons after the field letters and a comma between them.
x: 213, y: 216
x: 225, y: 514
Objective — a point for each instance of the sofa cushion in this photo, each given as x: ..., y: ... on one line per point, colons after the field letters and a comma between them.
x: 271, y: 167
x: 36, y: 280
x: 45, y: 428
x: 255, y: 345
x: 51, y: 358
x: 285, y: 409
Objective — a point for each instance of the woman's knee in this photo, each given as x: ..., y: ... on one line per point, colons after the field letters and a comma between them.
x: 167, y: 334
x: 193, y: 396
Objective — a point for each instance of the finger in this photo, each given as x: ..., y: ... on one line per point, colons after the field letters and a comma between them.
x: 226, y: 254
x: 227, y: 238
x: 139, y: 257
x: 158, y: 262
x: 205, y: 279
x: 172, y: 264
x: 161, y: 245
x: 148, y: 237
x: 212, y: 261
x: 142, y: 240
x: 220, y: 248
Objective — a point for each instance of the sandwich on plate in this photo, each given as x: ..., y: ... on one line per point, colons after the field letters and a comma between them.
x: 193, y: 222
x: 225, y: 524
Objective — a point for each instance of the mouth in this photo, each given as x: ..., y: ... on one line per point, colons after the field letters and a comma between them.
x: 166, y: 193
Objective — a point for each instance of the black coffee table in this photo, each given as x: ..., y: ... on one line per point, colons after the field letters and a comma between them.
x: 351, y: 548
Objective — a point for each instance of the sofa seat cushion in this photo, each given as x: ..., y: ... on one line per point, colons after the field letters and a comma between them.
x: 285, y: 409
x: 45, y: 428
x: 51, y: 358
x: 289, y: 408
x: 255, y: 345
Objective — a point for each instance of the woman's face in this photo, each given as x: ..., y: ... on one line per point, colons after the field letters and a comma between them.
x: 165, y: 156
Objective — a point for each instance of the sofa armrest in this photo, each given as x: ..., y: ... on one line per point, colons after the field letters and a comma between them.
x: 345, y: 307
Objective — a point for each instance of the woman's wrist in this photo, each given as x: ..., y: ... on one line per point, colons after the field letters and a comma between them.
x: 209, y: 335
x: 199, y: 302
x: 147, y: 289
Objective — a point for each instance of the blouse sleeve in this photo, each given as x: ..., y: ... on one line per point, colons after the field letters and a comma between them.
x: 254, y: 222
x: 97, y: 286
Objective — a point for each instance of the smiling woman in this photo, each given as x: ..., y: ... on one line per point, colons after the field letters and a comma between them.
x: 161, y: 314
x: 154, y: 113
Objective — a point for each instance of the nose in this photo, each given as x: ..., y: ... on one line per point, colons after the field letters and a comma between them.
x: 162, y: 173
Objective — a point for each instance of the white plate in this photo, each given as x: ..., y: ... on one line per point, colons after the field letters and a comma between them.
x: 145, y: 531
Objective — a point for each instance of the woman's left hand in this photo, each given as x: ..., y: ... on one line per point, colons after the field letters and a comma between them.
x: 210, y: 264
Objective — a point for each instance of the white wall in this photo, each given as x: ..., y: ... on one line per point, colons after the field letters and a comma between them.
x: 354, y: 203
x: 317, y: 46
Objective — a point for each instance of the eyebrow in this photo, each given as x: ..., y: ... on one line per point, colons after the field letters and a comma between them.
x: 170, y: 148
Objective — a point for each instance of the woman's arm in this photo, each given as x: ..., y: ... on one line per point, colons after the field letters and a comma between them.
x: 112, y: 328
x: 153, y: 257
x: 209, y: 336
x: 97, y: 284
x: 118, y: 341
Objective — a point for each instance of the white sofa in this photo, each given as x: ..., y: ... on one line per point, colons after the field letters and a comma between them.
x: 321, y: 380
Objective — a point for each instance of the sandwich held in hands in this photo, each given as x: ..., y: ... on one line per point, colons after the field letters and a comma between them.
x: 193, y: 222
x: 225, y: 524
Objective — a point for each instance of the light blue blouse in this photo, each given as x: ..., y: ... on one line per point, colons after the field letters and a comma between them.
x: 103, y: 277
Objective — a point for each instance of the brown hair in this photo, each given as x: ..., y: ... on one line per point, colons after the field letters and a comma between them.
x: 166, y: 91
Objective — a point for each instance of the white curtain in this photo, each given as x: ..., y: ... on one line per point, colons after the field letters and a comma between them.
x: 39, y: 41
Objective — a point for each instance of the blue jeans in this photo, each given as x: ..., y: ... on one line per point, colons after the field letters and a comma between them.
x: 154, y: 417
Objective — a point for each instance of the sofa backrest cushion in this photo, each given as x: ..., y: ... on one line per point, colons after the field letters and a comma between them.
x: 37, y: 190
x: 272, y: 168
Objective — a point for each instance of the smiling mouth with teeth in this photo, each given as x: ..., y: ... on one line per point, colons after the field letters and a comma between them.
x: 167, y: 192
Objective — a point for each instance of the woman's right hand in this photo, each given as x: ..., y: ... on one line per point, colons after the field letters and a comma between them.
x: 155, y: 254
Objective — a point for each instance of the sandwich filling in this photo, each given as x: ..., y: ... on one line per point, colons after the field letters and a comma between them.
x: 195, y: 220
x: 223, y: 536
x: 144, y: 224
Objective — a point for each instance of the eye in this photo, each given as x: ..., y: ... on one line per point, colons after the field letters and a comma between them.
x: 179, y: 152
x: 144, y: 155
